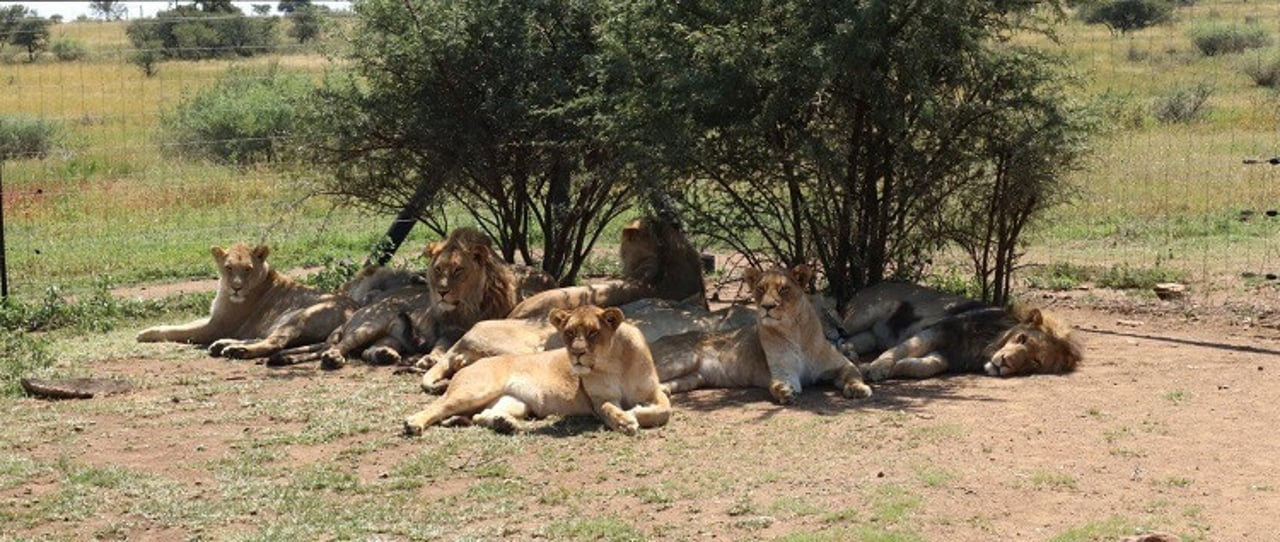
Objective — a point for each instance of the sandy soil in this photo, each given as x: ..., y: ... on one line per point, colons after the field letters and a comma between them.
x: 1171, y: 425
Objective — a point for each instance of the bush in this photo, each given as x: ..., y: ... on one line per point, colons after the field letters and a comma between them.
x: 1264, y: 68
x: 20, y: 355
x: 1126, y: 15
x: 68, y: 49
x: 189, y: 32
x: 240, y: 119
x: 27, y: 137
x: 1124, y: 277
x: 1184, y: 104
x: 1219, y: 39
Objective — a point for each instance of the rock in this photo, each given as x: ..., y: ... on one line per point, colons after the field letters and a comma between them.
x: 1170, y: 290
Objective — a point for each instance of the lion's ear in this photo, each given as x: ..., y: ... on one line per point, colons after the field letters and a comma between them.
x: 558, y: 317
x: 613, y: 316
x: 218, y: 252
x: 433, y: 249
x: 481, y: 253
x: 260, y: 252
x: 1035, y: 318
x: 802, y: 274
x: 751, y: 275
x: 632, y: 231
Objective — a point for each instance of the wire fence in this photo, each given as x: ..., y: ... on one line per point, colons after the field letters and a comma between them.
x: 111, y: 200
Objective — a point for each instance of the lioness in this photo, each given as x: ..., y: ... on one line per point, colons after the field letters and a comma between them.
x: 657, y: 261
x: 466, y: 282
x: 257, y: 311
x: 785, y: 351
x: 656, y: 318
x: 606, y: 370
x: 919, y: 332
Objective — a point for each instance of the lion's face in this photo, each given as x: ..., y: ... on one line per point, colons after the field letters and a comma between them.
x: 587, y: 332
x: 1033, y: 347
x: 456, y: 275
x: 240, y: 268
x: 778, y: 294
x: 640, y: 252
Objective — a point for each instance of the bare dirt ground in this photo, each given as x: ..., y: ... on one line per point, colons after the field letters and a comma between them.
x: 1171, y: 425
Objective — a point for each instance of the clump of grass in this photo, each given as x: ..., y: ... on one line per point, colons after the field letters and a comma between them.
x: 21, y: 354
x: 1263, y: 68
x: 22, y: 136
x: 99, y: 311
x: 1215, y: 39
x: 1185, y: 104
x: 68, y: 49
x: 1058, y: 276
x: 1126, y: 277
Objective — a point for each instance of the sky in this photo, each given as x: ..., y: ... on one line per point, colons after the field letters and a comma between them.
x: 71, y: 10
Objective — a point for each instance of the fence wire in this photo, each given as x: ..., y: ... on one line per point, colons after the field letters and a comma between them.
x: 113, y: 201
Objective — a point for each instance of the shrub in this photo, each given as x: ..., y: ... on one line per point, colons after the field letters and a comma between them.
x: 1124, y: 277
x: 20, y: 355
x: 68, y: 49
x: 1264, y: 68
x: 1219, y: 39
x: 26, y: 137
x: 1126, y: 15
x: 1184, y: 104
x: 240, y: 119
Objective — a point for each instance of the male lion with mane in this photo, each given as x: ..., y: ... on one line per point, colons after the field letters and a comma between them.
x: 605, y: 369
x: 257, y: 311
x: 919, y: 332
x: 466, y: 282
x: 785, y: 351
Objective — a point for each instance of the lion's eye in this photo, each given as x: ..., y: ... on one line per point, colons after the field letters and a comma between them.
x: 1020, y: 339
x: 568, y: 334
x: 456, y: 272
x: 784, y: 290
x: 591, y: 334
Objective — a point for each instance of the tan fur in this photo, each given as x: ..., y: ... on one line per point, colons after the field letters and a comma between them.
x: 257, y: 311
x: 467, y: 282
x: 606, y: 370
x: 785, y: 351
x: 657, y: 261
x: 374, y: 281
x: 916, y: 332
x: 656, y: 318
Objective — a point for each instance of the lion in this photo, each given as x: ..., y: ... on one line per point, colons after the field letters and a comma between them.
x: 467, y: 282
x: 605, y: 369
x: 784, y: 352
x: 657, y: 261
x: 919, y: 332
x: 373, y: 281
x: 656, y: 318
x: 257, y: 311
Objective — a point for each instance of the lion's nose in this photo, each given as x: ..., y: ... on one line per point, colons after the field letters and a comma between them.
x: 768, y: 305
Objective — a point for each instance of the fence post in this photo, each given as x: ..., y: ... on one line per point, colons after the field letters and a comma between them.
x: 4, y: 270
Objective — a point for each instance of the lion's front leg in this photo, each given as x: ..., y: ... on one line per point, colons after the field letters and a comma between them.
x: 276, y: 341
x: 195, y: 332
x: 655, y: 413
x: 918, y: 345
x: 849, y: 380
x: 617, y: 419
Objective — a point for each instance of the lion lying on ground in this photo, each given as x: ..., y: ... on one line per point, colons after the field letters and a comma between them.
x: 919, y: 332
x: 657, y: 261
x: 606, y: 370
x: 785, y: 351
x: 655, y: 318
x: 466, y: 282
x: 257, y: 311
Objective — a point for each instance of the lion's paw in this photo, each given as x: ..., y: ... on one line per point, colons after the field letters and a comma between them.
x: 218, y: 346
x: 412, y: 428
x: 236, y: 351
x: 499, y: 423
x: 620, y: 420
x: 782, y: 392
x: 382, y: 355
x: 332, y: 360
x: 856, y: 389
x: 878, y: 370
